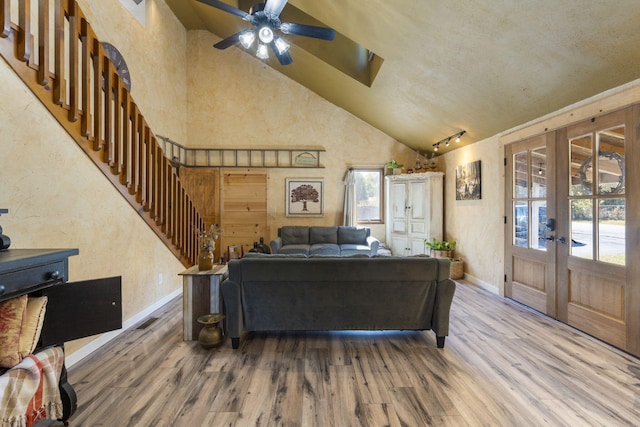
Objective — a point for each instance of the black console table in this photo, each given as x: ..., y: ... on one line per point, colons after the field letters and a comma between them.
x: 74, y: 310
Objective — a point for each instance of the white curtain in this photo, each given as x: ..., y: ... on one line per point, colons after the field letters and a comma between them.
x: 349, y: 197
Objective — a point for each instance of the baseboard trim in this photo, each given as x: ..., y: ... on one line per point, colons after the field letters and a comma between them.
x: 482, y: 284
x: 81, y: 353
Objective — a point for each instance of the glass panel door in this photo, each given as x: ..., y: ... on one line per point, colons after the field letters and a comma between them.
x: 596, y: 196
x: 530, y: 259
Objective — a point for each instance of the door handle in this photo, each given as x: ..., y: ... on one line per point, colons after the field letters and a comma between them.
x: 551, y: 238
x: 562, y: 240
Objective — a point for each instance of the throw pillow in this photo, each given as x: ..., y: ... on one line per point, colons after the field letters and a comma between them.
x: 32, y: 325
x: 12, y: 312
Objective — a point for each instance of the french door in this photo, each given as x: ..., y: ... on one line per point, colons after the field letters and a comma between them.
x: 531, y: 206
x: 572, y: 229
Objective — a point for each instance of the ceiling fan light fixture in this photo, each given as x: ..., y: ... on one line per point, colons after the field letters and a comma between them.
x: 265, y: 19
x: 247, y: 38
x: 262, y: 52
x: 265, y: 34
x: 281, y: 45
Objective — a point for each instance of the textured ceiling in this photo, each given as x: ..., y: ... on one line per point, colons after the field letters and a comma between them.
x: 479, y: 66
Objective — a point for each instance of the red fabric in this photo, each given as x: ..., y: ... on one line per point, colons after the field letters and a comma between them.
x: 36, y: 409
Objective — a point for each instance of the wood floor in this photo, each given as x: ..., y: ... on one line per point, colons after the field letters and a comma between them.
x: 502, y: 365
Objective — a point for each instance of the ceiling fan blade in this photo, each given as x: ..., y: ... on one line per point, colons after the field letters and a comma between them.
x: 230, y: 9
x: 308, y: 31
x: 284, y: 58
x: 229, y: 41
x: 274, y: 7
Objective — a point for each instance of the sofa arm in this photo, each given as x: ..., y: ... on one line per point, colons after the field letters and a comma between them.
x: 444, y: 298
x: 373, y: 243
x: 233, y: 306
x: 276, y: 244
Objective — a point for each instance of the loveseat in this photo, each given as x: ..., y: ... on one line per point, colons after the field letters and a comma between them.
x: 298, y: 293
x: 318, y: 240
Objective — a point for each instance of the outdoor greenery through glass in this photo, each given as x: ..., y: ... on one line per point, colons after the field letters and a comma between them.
x: 597, y: 196
x: 368, y: 195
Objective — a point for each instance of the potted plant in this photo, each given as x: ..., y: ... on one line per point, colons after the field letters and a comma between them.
x: 445, y: 249
x: 395, y: 167
x: 440, y: 248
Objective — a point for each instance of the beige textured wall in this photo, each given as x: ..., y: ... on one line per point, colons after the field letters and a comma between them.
x: 156, y: 58
x: 478, y: 225
x: 55, y: 195
x: 235, y: 101
x: 57, y: 198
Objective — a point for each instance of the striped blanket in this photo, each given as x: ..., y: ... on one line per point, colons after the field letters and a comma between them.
x: 29, y: 390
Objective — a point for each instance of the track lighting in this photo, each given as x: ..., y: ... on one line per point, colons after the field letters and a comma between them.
x: 448, y: 139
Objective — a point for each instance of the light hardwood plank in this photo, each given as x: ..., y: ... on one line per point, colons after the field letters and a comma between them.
x: 503, y: 365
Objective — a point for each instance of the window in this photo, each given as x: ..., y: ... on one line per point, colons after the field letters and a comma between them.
x: 597, y: 196
x: 368, y: 195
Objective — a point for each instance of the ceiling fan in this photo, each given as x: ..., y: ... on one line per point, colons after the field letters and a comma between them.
x: 265, y: 17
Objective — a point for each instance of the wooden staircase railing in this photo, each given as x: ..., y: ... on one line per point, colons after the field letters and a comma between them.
x: 81, y: 88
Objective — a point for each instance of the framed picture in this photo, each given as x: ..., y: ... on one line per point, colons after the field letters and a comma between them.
x: 468, y: 182
x: 304, y: 197
x: 234, y: 252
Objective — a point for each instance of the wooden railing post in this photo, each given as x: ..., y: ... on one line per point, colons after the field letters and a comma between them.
x: 74, y: 81
x: 5, y: 18
x: 43, y: 42
x: 59, y: 83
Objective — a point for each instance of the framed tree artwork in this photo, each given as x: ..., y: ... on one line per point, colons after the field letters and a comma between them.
x: 304, y: 197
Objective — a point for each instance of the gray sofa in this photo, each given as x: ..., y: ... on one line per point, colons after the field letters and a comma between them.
x: 336, y: 240
x: 298, y: 293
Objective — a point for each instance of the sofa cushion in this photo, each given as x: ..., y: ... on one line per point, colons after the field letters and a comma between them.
x: 294, y: 235
x: 324, y: 249
x: 295, y: 249
x: 346, y: 250
x: 352, y: 235
x: 323, y: 235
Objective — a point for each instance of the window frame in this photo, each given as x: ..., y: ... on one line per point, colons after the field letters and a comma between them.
x: 380, y: 171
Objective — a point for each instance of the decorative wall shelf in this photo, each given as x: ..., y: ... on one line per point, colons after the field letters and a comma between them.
x: 241, y: 158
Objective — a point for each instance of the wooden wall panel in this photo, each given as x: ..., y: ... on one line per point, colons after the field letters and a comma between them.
x: 203, y: 186
x: 243, y: 208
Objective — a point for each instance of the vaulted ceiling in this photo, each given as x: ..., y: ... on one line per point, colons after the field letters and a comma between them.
x: 439, y: 67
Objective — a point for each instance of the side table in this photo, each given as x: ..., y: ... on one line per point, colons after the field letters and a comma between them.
x: 201, y: 295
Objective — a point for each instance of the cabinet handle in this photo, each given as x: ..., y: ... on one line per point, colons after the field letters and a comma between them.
x: 55, y: 275
x: 2, y: 289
